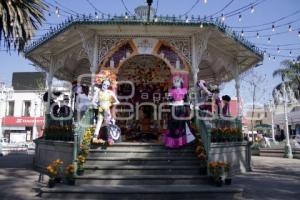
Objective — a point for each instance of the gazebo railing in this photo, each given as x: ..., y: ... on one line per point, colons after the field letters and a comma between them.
x: 85, y: 123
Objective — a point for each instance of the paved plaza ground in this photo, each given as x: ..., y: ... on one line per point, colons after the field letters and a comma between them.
x: 271, y: 179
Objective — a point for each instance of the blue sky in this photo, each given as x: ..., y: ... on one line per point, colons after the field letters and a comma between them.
x: 265, y: 12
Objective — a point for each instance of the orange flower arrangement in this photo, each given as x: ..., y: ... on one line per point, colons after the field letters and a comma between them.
x: 81, y: 159
x: 106, y: 75
x: 53, y: 168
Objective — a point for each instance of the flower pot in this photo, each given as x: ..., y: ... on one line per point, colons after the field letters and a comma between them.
x: 219, y: 182
x: 80, y: 172
x: 51, y: 183
x: 203, y: 171
x: 71, y: 181
x: 228, y: 181
x: 57, y: 180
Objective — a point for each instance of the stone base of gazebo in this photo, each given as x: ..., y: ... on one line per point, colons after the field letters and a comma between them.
x: 238, y: 154
x: 47, y: 151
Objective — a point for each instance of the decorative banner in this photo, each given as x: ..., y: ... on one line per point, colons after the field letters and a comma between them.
x: 145, y: 45
x: 23, y: 121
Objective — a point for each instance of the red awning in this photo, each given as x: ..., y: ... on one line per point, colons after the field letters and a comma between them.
x: 22, y: 121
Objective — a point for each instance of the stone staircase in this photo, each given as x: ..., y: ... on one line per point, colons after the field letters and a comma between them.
x: 138, y: 171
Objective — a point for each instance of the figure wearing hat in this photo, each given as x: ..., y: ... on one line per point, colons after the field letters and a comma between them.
x: 178, y: 133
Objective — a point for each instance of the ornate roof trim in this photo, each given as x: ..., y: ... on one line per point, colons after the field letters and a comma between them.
x: 162, y: 21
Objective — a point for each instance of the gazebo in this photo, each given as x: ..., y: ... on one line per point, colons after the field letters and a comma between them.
x: 146, y: 51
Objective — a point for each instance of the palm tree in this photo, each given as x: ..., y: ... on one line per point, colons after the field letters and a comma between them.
x: 19, y: 19
x: 290, y: 75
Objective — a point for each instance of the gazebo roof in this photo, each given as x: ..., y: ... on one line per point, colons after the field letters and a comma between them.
x: 227, y: 42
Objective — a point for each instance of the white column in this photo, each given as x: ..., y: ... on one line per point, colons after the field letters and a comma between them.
x: 288, y: 149
x: 49, y: 84
x: 237, y: 87
x: 94, y: 64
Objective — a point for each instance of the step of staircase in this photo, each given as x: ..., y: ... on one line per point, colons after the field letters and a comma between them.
x: 143, y: 160
x: 114, y: 180
x: 142, y: 192
x: 111, y: 152
x: 125, y: 171
x: 141, y: 170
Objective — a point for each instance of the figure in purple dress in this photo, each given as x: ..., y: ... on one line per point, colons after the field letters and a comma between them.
x: 178, y: 129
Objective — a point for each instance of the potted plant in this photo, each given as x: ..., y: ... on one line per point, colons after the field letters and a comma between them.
x: 54, y: 171
x: 228, y: 177
x: 69, y: 175
x: 81, y: 161
x: 216, y: 170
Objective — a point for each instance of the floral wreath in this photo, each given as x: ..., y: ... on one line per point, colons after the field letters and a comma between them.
x: 104, y: 75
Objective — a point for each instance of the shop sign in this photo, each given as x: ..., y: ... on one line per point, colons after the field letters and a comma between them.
x: 23, y: 121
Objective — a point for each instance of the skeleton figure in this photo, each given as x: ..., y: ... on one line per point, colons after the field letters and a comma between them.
x: 104, y: 99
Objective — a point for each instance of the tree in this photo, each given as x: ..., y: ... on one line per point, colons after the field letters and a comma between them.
x: 19, y: 19
x: 290, y: 74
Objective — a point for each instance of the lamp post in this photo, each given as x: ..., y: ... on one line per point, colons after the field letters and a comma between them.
x: 287, y: 149
x: 149, y: 2
x: 271, y: 107
x: 34, y: 128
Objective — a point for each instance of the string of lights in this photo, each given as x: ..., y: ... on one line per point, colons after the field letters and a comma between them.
x: 61, y: 10
x: 226, y: 6
x: 273, y: 27
x: 191, y: 8
x: 156, y: 9
x: 66, y: 8
x: 96, y: 9
x: 127, y: 10
x: 57, y: 11
x: 268, y: 23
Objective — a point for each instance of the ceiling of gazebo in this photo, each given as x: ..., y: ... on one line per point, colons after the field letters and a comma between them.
x: 217, y: 64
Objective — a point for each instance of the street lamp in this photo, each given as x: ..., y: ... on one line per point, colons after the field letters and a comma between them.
x: 287, y: 149
x: 149, y: 2
x: 34, y: 128
x: 271, y: 107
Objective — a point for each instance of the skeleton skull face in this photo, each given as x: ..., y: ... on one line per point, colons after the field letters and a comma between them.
x: 105, y: 85
x: 177, y: 81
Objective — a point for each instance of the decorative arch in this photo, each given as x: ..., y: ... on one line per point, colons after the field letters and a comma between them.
x: 140, y: 46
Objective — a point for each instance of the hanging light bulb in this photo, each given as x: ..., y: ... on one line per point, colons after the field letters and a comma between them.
x: 222, y: 17
x: 11, y: 22
x: 201, y: 25
x: 290, y: 28
x: 187, y: 19
x: 252, y: 9
x: 298, y: 33
x: 269, y: 40
x: 155, y: 18
x: 278, y: 50
x: 257, y: 35
x: 126, y: 15
x: 9, y: 2
x: 240, y: 18
x: 97, y: 16
x: 205, y: 1
x: 265, y: 52
x: 269, y: 57
x: 57, y: 11
x: 242, y: 33
x: 273, y: 27
x: 290, y: 53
